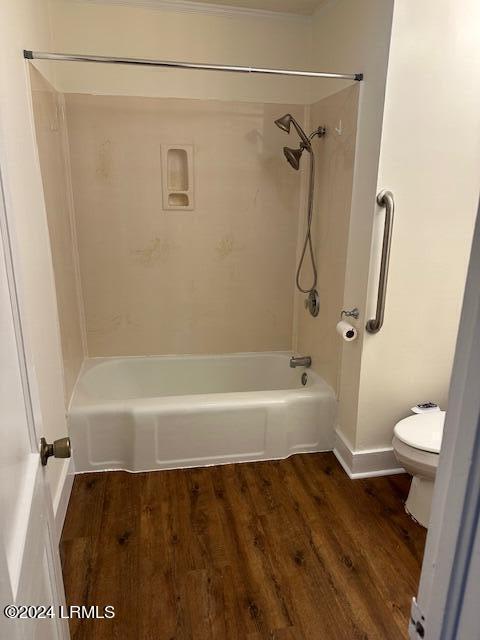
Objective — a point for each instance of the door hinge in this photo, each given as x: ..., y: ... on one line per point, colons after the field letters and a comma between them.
x: 417, y: 626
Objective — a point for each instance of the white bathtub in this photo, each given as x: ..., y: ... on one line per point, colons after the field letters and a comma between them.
x: 168, y: 412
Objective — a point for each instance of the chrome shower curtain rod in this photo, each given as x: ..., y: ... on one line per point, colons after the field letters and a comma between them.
x: 73, y: 57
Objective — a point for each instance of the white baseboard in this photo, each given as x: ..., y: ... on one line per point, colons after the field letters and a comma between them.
x: 367, y: 463
x: 62, y: 496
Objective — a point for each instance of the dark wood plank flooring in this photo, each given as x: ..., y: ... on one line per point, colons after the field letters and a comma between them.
x: 288, y: 550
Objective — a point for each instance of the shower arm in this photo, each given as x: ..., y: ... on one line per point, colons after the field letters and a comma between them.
x: 307, y: 143
x: 320, y: 132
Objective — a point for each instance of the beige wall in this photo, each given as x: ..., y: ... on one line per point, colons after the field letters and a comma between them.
x: 51, y: 135
x: 26, y: 23
x: 335, y: 155
x: 136, y: 31
x: 216, y: 279
x: 431, y: 160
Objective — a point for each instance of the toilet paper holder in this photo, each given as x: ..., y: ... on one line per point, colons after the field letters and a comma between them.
x: 353, y: 313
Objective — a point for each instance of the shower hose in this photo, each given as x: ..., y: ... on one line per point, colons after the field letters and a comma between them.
x: 308, y: 235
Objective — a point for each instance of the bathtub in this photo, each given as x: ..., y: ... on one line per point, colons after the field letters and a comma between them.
x: 167, y: 412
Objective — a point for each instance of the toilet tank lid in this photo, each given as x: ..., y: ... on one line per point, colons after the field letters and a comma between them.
x: 422, y: 431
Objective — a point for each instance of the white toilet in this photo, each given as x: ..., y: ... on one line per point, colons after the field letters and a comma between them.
x: 417, y: 441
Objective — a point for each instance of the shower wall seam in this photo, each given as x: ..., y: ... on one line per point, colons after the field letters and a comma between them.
x: 50, y: 253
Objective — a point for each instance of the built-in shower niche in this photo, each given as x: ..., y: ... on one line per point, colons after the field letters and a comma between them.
x: 177, y: 173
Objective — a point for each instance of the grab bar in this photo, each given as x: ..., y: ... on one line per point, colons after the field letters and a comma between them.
x: 384, y: 199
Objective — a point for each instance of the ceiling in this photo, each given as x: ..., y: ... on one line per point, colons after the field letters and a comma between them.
x: 301, y: 7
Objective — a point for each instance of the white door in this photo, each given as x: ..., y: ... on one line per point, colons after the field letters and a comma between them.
x: 30, y: 571
x: 448, y: 601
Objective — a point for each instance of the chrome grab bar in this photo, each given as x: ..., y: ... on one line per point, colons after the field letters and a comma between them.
x: 384, y: 199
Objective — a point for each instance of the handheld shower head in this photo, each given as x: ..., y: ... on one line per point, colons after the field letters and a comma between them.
x: 293, y: 156
x: 286, y: 121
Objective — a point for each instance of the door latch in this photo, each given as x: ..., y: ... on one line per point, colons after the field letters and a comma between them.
x: 59, y: 449
x: 416, y: 627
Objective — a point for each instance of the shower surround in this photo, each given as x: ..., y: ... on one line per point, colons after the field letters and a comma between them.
x: 212, y: 280
x: 213, y: 285
x: 335, y: 162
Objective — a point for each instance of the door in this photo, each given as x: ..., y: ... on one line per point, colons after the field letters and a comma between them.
x: 30, y: 571
x: 449, y: 591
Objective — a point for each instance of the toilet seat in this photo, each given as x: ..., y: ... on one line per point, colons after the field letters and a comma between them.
x: 422, y: 431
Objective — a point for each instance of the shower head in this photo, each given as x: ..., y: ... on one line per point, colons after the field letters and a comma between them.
x: 286, y: 121
x: 293, y: 156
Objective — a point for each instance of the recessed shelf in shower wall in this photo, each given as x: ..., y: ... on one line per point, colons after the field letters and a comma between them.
x: 177, y: 174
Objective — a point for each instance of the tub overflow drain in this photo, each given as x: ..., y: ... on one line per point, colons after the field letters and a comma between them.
x: 304, y: 379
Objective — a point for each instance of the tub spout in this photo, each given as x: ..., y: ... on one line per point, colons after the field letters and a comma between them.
x: 303, y: 361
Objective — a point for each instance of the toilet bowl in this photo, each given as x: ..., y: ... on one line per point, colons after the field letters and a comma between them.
x: 416, y: 443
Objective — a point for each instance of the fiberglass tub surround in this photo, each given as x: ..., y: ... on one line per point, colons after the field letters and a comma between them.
x: 187, y: 243
x: 166, y: 412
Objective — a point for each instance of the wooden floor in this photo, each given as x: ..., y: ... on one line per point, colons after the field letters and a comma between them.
x: 288, y: 550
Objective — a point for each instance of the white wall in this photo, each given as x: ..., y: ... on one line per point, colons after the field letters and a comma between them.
x: 430, y: 159
x: 355, y: 34
x: 136, y: 31
x: 25, y: 24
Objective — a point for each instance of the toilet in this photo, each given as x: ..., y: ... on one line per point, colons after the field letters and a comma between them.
x: 416, y: 443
